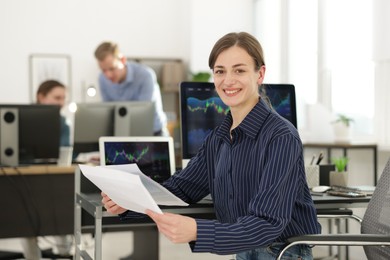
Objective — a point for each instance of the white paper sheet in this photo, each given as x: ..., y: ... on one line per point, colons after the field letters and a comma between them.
x: 127, y: 186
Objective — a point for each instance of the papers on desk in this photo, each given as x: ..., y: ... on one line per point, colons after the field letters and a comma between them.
x: 128, y: 187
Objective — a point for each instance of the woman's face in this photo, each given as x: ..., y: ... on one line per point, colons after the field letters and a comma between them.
x: 236, y: 79
x: 55, y: 97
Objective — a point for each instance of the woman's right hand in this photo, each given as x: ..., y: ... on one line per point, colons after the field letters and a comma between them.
x: 111, y: 206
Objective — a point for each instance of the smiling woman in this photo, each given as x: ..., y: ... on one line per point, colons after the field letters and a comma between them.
x: 238, y: 68
x: 242, y: 164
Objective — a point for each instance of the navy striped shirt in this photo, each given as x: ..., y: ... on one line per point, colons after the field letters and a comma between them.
x: 257, y: 182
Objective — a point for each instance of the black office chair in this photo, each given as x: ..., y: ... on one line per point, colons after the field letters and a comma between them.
x: 375, y: 227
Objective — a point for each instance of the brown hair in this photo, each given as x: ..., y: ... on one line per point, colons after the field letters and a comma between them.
x: 107, y: 48
x: 243, y: 40
x: 47, y: 86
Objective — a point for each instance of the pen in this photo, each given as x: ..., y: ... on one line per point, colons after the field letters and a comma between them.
x: 320, y: 157
x: 312, y: 159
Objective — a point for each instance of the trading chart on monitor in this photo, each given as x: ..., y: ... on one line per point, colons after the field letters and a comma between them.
x: 282, y: 97
x: 202, y: 111
x: 151, y: 157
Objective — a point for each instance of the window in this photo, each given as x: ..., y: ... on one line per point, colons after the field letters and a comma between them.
x: 324, y: 48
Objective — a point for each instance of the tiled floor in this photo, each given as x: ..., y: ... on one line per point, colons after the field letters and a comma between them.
x: 117, y: 245
x: 168, y: 251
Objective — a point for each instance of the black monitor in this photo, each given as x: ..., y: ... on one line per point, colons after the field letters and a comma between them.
x: 201, y: 110
x: 282, y: 98
x: 93, y: 120
x: 30, y: 134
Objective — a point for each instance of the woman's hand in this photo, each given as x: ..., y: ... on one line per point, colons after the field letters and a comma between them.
x: 177, y: 228
x: 111, y: 206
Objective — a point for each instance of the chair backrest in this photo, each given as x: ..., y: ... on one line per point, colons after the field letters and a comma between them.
x: 376, y: 220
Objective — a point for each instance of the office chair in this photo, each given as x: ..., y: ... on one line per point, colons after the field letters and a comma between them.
x: 375, y: 227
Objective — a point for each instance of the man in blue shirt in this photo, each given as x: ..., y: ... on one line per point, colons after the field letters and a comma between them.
x: 252, y: 166
x: 126, y: 81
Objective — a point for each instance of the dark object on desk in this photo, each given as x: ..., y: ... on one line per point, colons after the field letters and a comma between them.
x: 29, y: 134
x: 368, y: 190
x: 320, y: 157
x: 48, y: 253
x: 158, y: 154
x: 325, y: 170
x: 352, y: 194
x: 202, y: 110
x: 375, y: 229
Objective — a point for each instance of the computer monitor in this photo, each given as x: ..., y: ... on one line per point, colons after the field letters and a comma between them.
x: 29, y: 134
x: 282, y: 98
x: 93, y: 120
x: 201, y: 110
x: 154, y: 155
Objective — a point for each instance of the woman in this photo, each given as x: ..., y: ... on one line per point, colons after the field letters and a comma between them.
x: 51, y: 92
x: 252, y: 165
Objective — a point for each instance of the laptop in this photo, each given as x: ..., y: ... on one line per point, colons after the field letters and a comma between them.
x: 154, y: 155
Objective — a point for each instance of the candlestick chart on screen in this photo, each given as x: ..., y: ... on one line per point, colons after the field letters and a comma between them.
x: 203, y: 115
x: 151, y: 158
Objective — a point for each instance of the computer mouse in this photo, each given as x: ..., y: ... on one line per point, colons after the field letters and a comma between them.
x: 321, y: 188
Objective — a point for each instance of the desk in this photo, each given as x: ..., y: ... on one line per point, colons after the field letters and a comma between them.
x: 345, y: 147
x: 88, y: 204
x: 333, y: 202
x: 36, y: 201
x: 91, y: 204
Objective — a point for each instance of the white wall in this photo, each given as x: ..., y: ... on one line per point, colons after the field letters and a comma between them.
x: 147, y: 28
x: 381, y: 58
x: 212, y: 19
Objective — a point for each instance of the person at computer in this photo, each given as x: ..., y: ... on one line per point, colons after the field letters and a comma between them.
x: 121, y: 80
x: 51, y: 92
x: 252, y: 165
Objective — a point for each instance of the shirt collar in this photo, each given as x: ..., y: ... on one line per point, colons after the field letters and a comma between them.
x: 251, y: 124
x: 129, y: 72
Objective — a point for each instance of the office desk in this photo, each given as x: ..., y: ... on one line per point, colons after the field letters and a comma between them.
x: 345, y: 147
x: 335, y: 202
x: 36, y: 201
x: 147, y: 245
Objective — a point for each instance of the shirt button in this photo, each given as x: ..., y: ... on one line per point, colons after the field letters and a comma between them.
x: 230, y: 196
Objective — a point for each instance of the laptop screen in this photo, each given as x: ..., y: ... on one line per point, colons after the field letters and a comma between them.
x: 153, y: 155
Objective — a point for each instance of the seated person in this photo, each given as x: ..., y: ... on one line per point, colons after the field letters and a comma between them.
x: 252, y: 166
x: 51, y: 92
